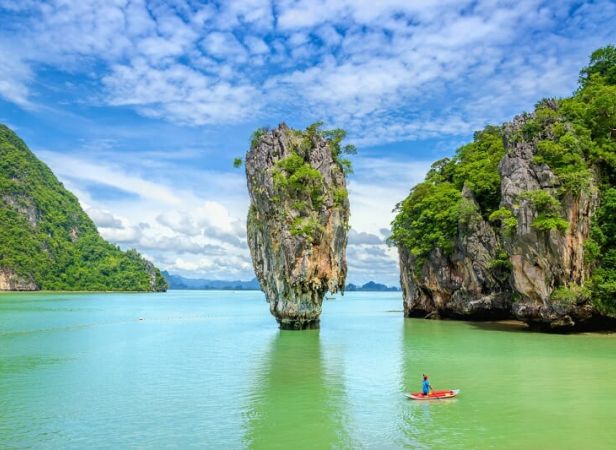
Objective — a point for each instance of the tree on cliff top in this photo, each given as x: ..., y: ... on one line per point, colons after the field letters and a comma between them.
x: 602, y: 63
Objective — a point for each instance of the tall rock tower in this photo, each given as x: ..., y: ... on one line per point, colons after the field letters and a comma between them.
x: 298, y: 219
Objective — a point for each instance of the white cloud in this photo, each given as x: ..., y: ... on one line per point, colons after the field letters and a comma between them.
x: 360, y: 237
x: 329, y: 35
x: 210, y: 64
x: 179, y: 93
x: 384, y: 182
x: 224, y: 45
x: 180, y: 230
x: 15, y: 75
x: 210, y: 215
x: 256, y: 45
x: 130, y: 235
x: 109, y: 175
x: 104, y: 219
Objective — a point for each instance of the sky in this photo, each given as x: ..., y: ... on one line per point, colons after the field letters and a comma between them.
x: 139, y: 107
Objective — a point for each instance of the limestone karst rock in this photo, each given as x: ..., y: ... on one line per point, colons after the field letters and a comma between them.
x: 460, y: 284
x: 47, y: 241
x: 465, y: 283
x: 542, y: 260
x: 528, y: 260
x: 298, y: 220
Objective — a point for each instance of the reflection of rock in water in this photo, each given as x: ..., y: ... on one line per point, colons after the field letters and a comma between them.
x: 297, y: 403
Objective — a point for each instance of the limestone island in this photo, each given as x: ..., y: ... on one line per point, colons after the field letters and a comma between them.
x: 48, y: 242
x: 520, y: 223
x: 298, y: 219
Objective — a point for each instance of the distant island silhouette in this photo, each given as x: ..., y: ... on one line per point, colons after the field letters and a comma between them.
x: 179, y: 282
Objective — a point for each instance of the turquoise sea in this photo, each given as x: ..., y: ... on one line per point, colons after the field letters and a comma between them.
x: 210, y: 369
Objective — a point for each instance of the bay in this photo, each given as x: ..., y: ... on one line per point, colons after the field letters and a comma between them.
x: 210, y: 369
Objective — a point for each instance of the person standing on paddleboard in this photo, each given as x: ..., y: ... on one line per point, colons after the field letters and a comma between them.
x: 425, y: 387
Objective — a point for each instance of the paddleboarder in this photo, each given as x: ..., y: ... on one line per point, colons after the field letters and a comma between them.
x: 425, y: 387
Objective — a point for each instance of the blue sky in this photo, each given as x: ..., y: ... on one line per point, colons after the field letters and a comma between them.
x: 140, y: 106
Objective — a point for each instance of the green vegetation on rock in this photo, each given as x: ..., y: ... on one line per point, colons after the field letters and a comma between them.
x: 46, y: 237
x: 295, y: 179
x: 428, y: 218
x: 603, y: 247
x: 570, y: 295
x: 257, y: 135
x: 548, y: 209
x: 572, y: 138
x: 501, y: 265
x: 301, y: 187
x: 506, y: 219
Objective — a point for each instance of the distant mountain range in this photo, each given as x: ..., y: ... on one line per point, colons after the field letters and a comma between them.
x: 179, y: 282
x: 371, y: 286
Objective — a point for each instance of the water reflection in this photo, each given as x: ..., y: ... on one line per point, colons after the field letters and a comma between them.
x: 298, y: 399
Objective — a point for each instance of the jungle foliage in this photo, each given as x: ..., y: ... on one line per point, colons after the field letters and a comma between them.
x: 46, y: 237
x: 575, y: 137
x: 428, y: 218
x: 301, y: 187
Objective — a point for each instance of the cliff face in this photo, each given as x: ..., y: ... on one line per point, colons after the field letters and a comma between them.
x: 48, y: 242
x: 10, y: 281
x: 462, y: 283
x: 297, y: 223
x: 542, y: 260
x: 494, y: 273
x: 520, y: 222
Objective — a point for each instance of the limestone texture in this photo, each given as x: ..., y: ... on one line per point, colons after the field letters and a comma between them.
x: 465, y: 283
x: 297, y: 223
x: 461, y: 284
x: 10, y: 281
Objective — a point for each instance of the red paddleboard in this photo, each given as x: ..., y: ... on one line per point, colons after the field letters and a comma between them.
x: 434, y: 395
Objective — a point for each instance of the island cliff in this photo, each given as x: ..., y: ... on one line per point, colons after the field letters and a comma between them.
x: 298, y: 219
x: 520, y: 222
x: 48, y: 242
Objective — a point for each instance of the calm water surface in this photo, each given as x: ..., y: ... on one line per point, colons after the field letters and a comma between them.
x: 211, y: 370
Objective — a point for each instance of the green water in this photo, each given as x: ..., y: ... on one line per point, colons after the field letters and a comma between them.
x: 210, y: 370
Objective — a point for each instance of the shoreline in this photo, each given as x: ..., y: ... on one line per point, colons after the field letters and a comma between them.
x: 82, y: 292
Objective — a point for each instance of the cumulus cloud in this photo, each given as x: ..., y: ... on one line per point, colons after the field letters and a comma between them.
x: 197, y: 236
x: 366, y: 65
x: 360, y: 237
x: 378, y: 184
x: 104, y: 219
x: 178, y: 92
x: 256, y: 45
x: 130, y: 235
x: 210, y: 220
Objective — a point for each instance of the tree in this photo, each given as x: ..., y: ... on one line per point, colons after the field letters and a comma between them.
x: 602, y: 63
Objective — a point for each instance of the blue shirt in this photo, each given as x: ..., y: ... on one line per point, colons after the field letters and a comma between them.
x: 425, y: 387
